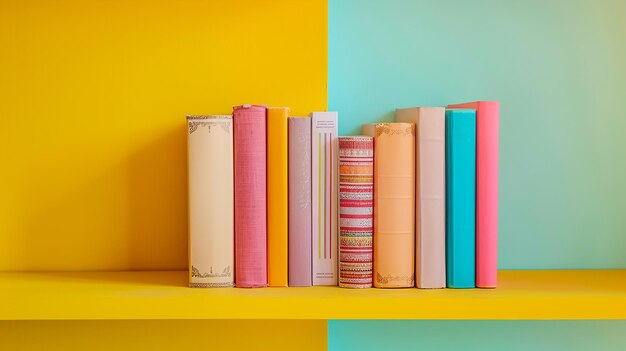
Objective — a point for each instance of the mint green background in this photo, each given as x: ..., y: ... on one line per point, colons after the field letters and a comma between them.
x: 559, y: 70
x: 477, y: 335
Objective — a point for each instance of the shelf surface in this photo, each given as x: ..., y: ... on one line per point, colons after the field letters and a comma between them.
x: 575, y: 294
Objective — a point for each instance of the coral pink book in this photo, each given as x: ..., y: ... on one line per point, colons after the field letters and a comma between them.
x: 394, y: 203
x: 300, y: 271
x: 250, y: 196
x: 430, y: 194
x: 487, y: 141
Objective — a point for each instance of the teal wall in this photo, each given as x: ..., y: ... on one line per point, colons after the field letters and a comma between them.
x: 558, y: 67
x: 559, y: 71
x: 477, y: 335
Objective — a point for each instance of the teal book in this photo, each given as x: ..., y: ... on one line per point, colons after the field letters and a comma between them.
x: 460, y: 198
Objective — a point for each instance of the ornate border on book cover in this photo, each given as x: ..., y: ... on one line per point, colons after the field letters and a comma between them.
x: 386, y: 128
x: 388, y: 278
x: 211, y: 285
x: 223, y: 121
x: 226, y: 272
x: 195, y: 273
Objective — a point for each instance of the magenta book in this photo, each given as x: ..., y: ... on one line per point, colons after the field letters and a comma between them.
x: 300, y: 271
x: 250, y: 196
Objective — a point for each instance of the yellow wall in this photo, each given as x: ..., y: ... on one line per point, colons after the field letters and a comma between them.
x: 92, y: 133
x: 164, y: 335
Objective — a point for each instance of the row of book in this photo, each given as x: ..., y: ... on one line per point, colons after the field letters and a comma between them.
x: 276, y: 200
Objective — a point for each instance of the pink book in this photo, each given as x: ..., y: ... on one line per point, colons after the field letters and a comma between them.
x: 250, y: 196
x: 300, y: 272
x: 487, y: 131
x: 430, y: 194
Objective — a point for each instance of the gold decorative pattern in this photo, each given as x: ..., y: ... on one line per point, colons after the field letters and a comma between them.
x: 209, y: 121
x: 387, y: 279
x: 195, y: 273
x: 387, y: 128
x: 211, y: 285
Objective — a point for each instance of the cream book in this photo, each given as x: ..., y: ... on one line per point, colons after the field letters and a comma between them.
x: 211, y: 220
x: 324, y: 197
x: 430, y: 193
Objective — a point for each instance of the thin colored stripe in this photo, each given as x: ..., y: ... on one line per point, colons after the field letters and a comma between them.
x: 364, y: 190
x: 319, y: 196
x: 355, y: 204
x: 326, y: 197
x: 324, y: 194
x: 352, y: 283
x: 357, y: 216
x: 359, y: 228
x: 330, y: 197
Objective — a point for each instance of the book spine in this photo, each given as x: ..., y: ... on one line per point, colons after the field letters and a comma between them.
x: 324, y: 197
x: 460, y: 202
x: 250, y: 196
x: 210, y: 162
x: 394, y: 204
x: 487, y: 141
x: 431, y: 191
x: 430, y: 187
x: 300, y: 271
x: 356, y: 211
x: 277, y: 195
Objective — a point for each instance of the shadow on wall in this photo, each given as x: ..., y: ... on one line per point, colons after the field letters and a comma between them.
x: 133, y: 216
x: 157, y: 200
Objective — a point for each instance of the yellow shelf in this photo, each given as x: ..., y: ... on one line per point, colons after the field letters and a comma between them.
x: 588, y: 294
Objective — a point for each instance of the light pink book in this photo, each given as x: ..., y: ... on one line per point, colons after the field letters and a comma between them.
x: 250, y: 196
x: 324, y: 197
x: 487, y: 139
x: 300, y: 272
x: 430, y: 194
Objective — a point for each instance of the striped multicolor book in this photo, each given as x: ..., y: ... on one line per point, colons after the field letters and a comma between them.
x: 211, y: 233
x: 324, y: 197
x: 356, y: 211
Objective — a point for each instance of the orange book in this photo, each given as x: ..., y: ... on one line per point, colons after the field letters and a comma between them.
x: 277, y: 195
x: 394, y: 203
